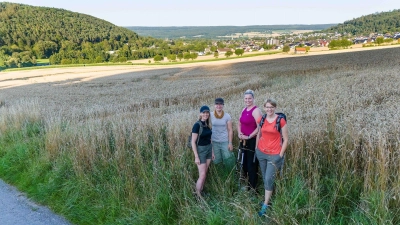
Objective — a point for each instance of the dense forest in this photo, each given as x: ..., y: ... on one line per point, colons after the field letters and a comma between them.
x: 28, y: 33
x: 384, y: 22
x: 212, y: 32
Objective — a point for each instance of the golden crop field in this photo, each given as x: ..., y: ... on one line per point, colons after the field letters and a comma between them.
x: 112, y: 149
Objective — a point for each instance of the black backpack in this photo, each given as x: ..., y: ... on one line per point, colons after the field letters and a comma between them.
x: 278, y: 122
x: 189, y: 142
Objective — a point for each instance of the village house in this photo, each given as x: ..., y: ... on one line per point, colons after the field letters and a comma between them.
x: 300, y: 50
x: 323, y: 43
x: 272, y: 42
x: 248, y: 49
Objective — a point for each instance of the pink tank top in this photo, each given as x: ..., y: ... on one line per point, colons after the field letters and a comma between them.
x: 247, y: 122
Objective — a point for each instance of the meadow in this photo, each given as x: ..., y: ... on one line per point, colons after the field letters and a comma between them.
x: 111, y: 150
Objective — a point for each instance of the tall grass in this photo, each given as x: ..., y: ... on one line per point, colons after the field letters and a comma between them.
x: 120, y: 157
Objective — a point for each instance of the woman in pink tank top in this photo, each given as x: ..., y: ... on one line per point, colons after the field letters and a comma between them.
x: 247, y: 129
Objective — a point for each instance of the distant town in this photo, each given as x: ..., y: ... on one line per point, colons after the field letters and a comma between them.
x: 300, y: 42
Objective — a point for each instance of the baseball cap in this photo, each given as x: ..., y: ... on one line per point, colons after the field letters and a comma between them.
x: 219, y: 101
x: 204, y: 108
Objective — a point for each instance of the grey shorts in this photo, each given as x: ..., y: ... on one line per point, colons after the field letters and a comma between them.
x: 204, y: 152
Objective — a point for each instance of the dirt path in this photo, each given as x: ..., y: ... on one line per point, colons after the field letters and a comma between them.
x: 16, y: 209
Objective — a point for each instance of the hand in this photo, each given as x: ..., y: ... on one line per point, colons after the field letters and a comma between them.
x: 281, y: 155
x: 213, y: 156
x: 197, y: 160
x: 230, y: 147
x: 240, y: 136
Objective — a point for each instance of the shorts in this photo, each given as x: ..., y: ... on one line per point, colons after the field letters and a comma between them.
x: 204, y: 152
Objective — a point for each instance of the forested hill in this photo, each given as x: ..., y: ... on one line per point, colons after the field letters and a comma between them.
x: 384, y: 22
x: 28, y: 33
x: 25, y: 25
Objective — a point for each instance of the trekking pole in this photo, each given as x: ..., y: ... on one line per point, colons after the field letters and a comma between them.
x: 239, y: 165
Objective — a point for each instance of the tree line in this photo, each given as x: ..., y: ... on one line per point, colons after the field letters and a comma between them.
x: 384, y: 22
x: 28, y: 33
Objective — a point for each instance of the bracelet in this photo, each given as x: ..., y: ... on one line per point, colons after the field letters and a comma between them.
x: 229, y: 143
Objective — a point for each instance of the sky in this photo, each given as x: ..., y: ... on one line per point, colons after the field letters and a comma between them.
x: 220, y: 12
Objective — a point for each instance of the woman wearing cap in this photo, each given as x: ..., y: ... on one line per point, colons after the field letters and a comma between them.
x: 222, y: 134
x: 201, y: 145
x: 247, y: 127
x: 271, y: 146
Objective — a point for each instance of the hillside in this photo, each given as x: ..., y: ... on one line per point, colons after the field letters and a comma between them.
x: 212, y: 32
x: 25, y: 25
x: 384, y: 22
x: 28, y: 33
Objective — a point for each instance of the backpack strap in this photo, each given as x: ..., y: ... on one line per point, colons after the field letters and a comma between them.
x: 200, y: 131
x: 262, y: 120
x: 278, y: 124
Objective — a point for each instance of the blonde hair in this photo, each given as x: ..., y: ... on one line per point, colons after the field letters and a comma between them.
x: 249, y: 92
x: 208, y: 121
x: 270, y: 101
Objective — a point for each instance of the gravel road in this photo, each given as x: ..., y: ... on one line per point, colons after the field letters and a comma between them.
x: 16, y: 209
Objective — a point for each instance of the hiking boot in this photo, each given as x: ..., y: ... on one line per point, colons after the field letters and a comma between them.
x: 263, y: 210
x: 262, y: 203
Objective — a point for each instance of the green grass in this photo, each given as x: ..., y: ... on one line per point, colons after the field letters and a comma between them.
x: 42, y: 63
x: 220, y: 58
x: 162, y: 194
x: 64, y: 66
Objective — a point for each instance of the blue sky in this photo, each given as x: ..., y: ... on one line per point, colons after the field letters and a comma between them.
x: 220, y: 12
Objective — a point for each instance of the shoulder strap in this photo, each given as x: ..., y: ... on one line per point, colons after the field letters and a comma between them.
x: 278, y: 121
x: 278, y: 124
x: 261, y: 124
x: 262, y: 120
x: 200, y: 131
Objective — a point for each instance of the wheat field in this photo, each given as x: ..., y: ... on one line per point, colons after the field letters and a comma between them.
x: 111, y: 150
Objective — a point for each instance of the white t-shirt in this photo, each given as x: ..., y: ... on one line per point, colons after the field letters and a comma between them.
x: 220, y: 128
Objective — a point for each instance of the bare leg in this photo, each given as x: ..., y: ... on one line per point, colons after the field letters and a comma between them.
x: 267, y: 197
x: 202, y: 176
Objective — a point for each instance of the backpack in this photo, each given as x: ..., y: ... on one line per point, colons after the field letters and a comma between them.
x: 278, y: 122
x: 189, y: 142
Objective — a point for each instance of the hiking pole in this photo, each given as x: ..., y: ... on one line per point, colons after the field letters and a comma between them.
x: 240, y: 162
x: 239, y: 165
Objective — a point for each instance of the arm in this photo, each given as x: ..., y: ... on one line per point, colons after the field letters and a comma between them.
x: 194, y: 147
x: 258, y: 135
x: 285, y: 136
x: 230, y: 135
x: 212, y: 151
x: 239, y: 128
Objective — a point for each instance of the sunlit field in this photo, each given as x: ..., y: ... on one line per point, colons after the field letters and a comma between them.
x: 112, y: 150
